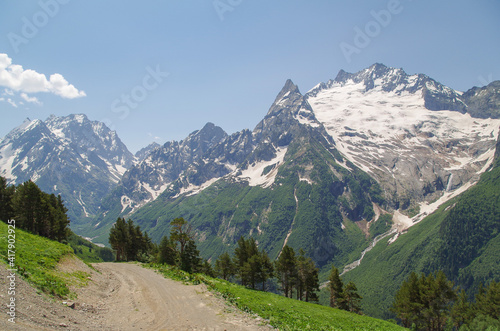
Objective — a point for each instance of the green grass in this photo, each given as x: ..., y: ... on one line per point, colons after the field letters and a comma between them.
x: 173, y: 273
x: 282, y: 313
x: 36, y: 259
x: 89, y: 252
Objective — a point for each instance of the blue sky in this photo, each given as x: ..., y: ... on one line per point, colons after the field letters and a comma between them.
x: 158, y: 70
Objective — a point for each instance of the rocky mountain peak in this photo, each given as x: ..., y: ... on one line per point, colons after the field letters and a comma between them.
x: 144, y: 152
x: 289, y: 111
x: 484, y: 102
x: 379, y: 77
x: 200, y: 141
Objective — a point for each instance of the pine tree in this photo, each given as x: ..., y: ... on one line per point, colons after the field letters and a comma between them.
x: 352, y: 299
x: 307, y: 278
x: 266, y: 270
x: 206, y: 268
x: 311, y: 281
x: 6, y: 194
x: 242, y: 254
x: 251, y: 270
x: 241, y: 257
x: 424, y: 302
x: 488, y: 301
x: 119, y: 239
x: 438, y: 300
x: 286, y: 267
x: 407, y: 303
x: 336, y: 289
x: 462, y: 311
x: 190, y: 260
x: 27, y: 202
x: 224, y: 266
x: 61, y: 226
x: 167, y: 252
x: 34, y: 210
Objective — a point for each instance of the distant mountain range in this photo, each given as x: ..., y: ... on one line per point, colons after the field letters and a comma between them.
x: 80, y: 159
x: 364, y: 154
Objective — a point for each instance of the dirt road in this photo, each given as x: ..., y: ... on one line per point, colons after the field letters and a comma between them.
x: 146, y: 300
x: 122, y: 296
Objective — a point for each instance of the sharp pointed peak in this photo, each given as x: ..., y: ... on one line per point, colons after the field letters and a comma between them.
x: 288, y: 89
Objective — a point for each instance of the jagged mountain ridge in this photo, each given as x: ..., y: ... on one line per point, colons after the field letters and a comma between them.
x: 71, y: 155
x: 290, y: 187
x: 451, y: 156
x: 379, y: 121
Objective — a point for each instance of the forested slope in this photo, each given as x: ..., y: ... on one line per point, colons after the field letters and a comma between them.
x: 462, y: 238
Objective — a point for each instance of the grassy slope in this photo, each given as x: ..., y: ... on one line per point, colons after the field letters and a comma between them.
x: 88, y: 251
x: 427, y: 247
x: 36, y: 259
x: 281, y: 312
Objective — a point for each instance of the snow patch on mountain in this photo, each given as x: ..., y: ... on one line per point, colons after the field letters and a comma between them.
x: 192, y: 189
x: 255, y: 174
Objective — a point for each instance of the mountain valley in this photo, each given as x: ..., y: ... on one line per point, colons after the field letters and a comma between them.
x: 365, y: 155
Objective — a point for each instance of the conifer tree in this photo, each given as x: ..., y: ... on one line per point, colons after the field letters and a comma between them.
x: 336, y: 289
x: 119, y: 239
x: 266, y: 270
x: 352, y: 299
x: 424, y: 302
x: 38, y: 212
x: 286, y: 267
x: 167, y: 252
x: 224, y: 266
x: 242, y: 254
x: 488, y: 300
x: 6, y: 194
x: 190, y: 260
x: 307, y: 278
x: 461, y: 313
x: 250, y: 271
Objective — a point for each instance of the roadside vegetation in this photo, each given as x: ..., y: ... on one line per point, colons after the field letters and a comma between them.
x: 36, y: 259
x: 34, y: 237
x: 279, y: 311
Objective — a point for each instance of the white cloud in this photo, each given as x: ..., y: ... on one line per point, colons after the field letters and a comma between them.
x: 27, y: 98
x: 14, y: 77
x: 153, y: 136
x: 9, y: 100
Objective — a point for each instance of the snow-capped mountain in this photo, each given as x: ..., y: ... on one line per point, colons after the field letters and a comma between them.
x: 72, y: 156
x: 383, y: 140
x: 317, y: 172
x: 163, y: 165
x: 416, y: 137
x: 282, y: 182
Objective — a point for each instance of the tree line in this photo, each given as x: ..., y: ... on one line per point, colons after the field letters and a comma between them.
x: 179, y: 249
x: 34, y: 210
x: 297, y: 274
x: 433, y: 303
